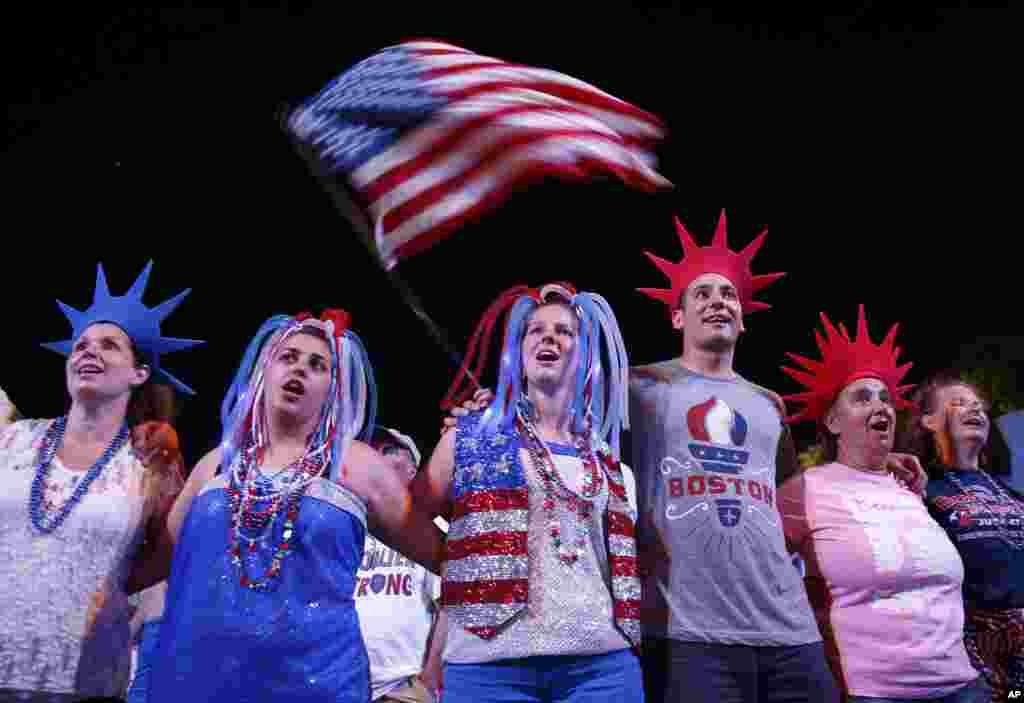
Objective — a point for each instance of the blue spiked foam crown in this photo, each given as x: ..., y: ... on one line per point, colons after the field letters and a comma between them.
x: 127, y: 311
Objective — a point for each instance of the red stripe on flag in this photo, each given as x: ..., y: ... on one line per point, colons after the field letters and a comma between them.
x: 454, y: 593
x: 617, y: 489
x: 627, y: 610
x: 483, y: 632
x: 565, y: 91
x: 495, y: 499
x: 532, y: 171
x: 440, y: 51
x: 450, y: 142
x: 620, y: 524
x: 623, y: 566
x: 492, y: 544
x: 424, y: 200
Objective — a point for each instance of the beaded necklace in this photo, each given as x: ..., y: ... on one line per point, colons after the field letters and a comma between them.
x: 577, y: 503
x: 247, y: 487
x: 47, y: 450
x: 1015, y: 540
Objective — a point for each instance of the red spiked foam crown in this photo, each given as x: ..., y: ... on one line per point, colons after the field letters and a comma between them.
x: 715, y: 258
x: 843, y: 361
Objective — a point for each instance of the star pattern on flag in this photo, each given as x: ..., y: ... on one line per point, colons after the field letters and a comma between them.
x: 366, y: 109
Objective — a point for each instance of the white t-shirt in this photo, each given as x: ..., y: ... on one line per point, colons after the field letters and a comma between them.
x: 395, y: 601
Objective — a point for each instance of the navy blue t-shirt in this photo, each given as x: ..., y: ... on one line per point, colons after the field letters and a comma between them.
x: 993, y: 569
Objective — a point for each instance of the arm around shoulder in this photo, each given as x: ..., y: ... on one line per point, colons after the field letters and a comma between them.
x: 163, y: 464
x: 793, y: 501
x: 391, y: 513
x: 787, y: 460
x: 431, y: 488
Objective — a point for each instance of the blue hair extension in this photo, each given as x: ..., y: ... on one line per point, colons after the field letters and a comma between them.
x: 234, y: 408
x: 588, y: 372
x: 586, y: 347
x: 371, y: 388
x: 359, y: 413
x: 611, y: 384
x: 501, y: 413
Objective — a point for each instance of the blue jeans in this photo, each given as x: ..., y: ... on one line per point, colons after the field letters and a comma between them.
x: 975, y: 692
x: 704, y: 672
x: 599, y: 678
x: 138, y: 691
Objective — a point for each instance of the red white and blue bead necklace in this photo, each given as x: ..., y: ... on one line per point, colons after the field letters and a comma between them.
x: 577, y: 503
x: 246, y: 488
x: 52, y: 440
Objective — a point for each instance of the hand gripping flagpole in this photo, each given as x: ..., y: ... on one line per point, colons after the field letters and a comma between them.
x: 351, y: 212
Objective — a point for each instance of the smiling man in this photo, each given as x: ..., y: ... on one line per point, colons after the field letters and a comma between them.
x: 726, y: 616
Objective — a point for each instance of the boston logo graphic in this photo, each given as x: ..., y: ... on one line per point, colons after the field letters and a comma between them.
x: 718, y: 431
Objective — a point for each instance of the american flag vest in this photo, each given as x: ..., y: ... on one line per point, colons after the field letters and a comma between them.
x: 486, y: 573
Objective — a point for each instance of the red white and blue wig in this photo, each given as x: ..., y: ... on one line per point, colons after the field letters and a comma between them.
x: 600, y: 406
x: 348, y: 413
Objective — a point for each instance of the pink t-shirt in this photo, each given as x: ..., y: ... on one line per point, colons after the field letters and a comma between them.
x: 884, y: 580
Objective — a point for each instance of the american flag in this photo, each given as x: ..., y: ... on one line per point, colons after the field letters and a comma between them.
x: 426, y: 136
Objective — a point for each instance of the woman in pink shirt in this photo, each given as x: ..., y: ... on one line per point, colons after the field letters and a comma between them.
x: 884, y: 579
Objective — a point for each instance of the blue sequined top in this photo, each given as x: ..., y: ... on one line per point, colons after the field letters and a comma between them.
x: 299, y: 641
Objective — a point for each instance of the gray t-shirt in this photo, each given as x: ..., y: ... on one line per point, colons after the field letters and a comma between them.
x: 707, y: 453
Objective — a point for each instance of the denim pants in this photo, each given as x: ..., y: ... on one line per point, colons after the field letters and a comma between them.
x: 704, y: 672
x: 599, y: 678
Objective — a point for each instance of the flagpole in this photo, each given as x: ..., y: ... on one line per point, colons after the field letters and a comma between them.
x: 351, y: 212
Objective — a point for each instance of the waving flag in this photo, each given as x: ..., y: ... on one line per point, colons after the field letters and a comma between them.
x: 426, y: 136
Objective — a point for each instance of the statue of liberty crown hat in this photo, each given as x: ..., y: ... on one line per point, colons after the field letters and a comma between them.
x: 140, y: 323
x: 718, y: 258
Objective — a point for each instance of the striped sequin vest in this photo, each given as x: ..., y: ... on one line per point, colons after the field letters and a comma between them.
x: 486, y: 574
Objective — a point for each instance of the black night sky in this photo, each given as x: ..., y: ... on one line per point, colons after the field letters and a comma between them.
x: 873, y: 140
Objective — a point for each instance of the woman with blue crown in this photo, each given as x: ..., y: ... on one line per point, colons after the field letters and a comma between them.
x: 540, y: 587
x: 271, y: 525
x: 84, y: 500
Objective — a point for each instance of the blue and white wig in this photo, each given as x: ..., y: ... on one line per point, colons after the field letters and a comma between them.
x: 600, y: 402
x: 348, y: 413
